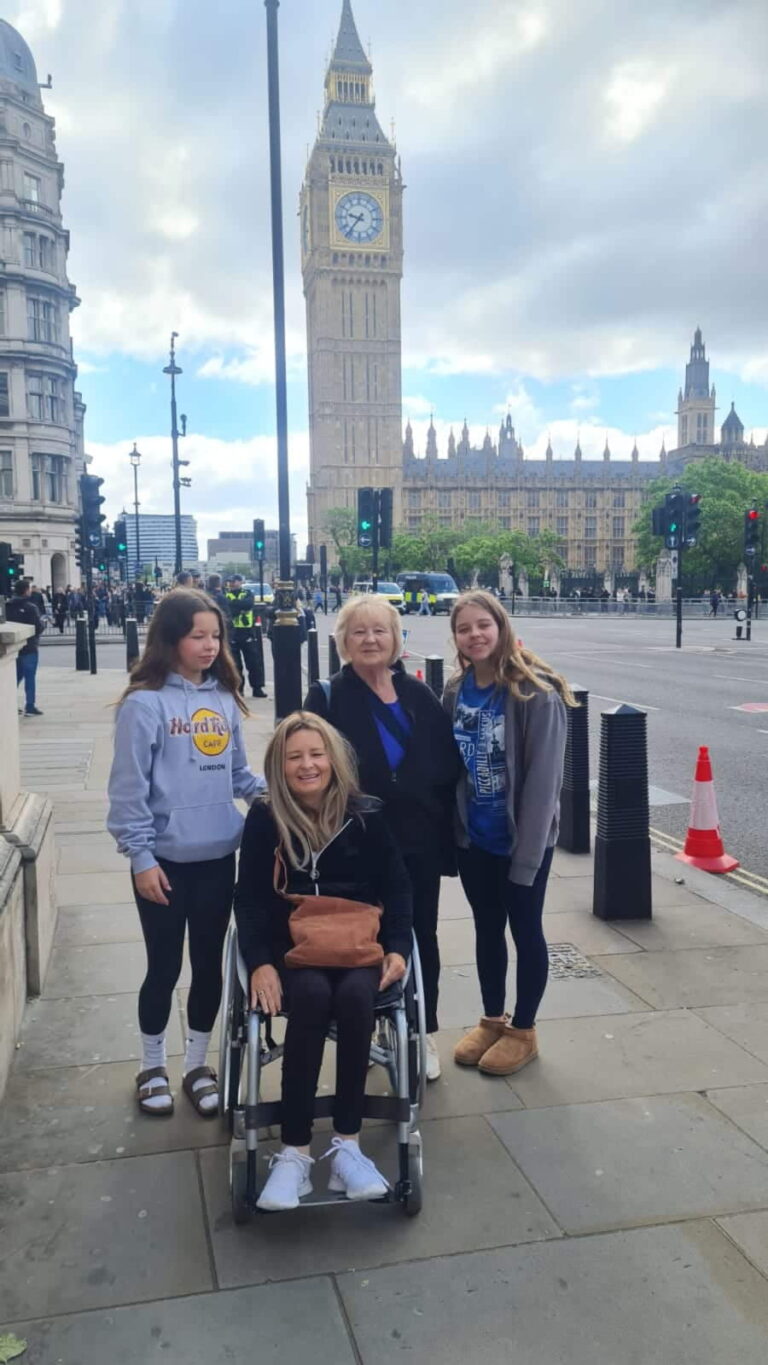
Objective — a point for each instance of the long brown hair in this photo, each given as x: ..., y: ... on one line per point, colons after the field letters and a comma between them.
x: 172, y: 619
x: 513, y: 663
x: 311, y: 830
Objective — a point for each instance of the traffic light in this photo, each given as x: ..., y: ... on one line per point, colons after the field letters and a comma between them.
x: 258, y: 538
x: 110, y: 547
x: 121, y: 539
x: 385, y: 518
x: 692, y: 518
x: 79, y: 543
x: 366, y: 512
x: 659, y: 520
x: 674, y: 509
x: 323, y: 562
x: 93, y: 516
x: 751, y: 531
x: 11, y: 566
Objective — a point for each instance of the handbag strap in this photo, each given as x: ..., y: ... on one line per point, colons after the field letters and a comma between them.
x: 280, y: 873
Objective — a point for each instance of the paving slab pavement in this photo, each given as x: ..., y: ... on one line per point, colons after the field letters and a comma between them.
x: 606, y: 1206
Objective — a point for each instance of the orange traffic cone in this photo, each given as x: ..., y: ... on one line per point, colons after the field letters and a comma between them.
x: 704, y: 843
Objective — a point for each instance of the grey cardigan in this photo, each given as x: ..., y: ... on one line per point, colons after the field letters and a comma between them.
x: 535, y: 732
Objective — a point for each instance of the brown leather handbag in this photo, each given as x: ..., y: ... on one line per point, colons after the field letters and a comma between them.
x: 329, y: 931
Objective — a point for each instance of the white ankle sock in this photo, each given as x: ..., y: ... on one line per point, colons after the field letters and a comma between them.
x: 152, y: 1055
x: 195, y: 1053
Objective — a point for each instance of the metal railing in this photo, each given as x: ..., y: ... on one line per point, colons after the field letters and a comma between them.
x: 693, y: 607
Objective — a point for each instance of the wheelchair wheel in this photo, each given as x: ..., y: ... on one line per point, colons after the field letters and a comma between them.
x: 231, y: 1044
x: 412, y: 1202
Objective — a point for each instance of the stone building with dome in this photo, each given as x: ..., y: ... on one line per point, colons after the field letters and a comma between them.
x: 352, y: 261
x: 41, y: 413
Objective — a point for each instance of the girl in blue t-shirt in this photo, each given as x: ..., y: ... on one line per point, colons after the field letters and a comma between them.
x: 509, y: 720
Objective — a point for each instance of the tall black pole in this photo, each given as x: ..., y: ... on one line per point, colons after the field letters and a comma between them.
x: 173, y: 369
x: 286, y: 638
x: 135, y: 457
x: 679, y: 598
x: 278, y: 287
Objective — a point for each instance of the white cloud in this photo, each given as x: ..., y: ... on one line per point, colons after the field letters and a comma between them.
x: 634, y: 97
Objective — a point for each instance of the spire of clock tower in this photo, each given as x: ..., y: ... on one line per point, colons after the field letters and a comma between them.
x: 349, y: 51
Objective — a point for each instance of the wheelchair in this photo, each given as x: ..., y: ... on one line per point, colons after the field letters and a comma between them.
x: 247, y: 1047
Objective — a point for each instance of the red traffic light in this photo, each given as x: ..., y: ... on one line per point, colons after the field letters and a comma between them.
x: 753, y: 514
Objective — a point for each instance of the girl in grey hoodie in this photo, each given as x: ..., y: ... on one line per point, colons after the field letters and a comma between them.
x: 178, y: 766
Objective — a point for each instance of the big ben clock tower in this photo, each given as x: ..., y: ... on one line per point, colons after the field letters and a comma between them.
x: 352, y: 263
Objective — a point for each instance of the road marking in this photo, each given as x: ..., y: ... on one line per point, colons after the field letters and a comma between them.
x: 752, y: 880
x: 640, y: 705
x: 732, y: 677
x: 750, y: 707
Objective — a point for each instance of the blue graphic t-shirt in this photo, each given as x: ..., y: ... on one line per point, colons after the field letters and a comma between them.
x: 478, y: 726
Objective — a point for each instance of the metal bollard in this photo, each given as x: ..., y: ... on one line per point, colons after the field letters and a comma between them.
x: 258, y: 656
x: 131, y: 642
x: 622, y: 887
x: 434, y: 671
x: 334, y: 662
x: 82, y: 657
x: 313, y: 655
x: 574, y: 833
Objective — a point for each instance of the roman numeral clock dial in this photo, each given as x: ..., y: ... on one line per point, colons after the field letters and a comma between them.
x: 359, y: 218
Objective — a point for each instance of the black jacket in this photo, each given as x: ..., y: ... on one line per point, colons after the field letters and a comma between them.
x: 25, y: 613
x: 361, y: 863
x: 418, y: 797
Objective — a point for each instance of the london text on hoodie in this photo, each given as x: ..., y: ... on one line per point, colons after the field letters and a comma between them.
x: 179, y: 763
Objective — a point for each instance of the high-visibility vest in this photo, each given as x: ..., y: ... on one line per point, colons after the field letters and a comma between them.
x: 242, y: 620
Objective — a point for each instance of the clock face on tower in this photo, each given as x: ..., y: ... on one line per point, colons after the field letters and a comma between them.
x: 359, y: 217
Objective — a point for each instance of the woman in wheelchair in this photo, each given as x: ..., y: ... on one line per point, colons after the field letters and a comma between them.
x: 324, y: 914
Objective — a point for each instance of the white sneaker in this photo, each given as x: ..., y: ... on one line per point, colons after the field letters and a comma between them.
x: 288, y: 1180
x: 432, y: 1059
x: 352, y: 1173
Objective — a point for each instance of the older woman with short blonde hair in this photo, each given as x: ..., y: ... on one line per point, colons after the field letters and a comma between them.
x: 406, y: 756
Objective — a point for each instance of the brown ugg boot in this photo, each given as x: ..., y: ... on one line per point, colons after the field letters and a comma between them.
x: 476, y: 1043
x: 513, y: 1050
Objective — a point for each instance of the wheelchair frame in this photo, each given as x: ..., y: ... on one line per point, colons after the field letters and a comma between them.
x: 247, y: 1046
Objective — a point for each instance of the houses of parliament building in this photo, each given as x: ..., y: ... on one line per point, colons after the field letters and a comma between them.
x: 352, y: 262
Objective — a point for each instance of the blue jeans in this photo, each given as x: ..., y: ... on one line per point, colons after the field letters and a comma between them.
x: 26, y: 668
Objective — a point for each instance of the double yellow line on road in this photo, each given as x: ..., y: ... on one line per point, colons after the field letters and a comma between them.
x: 751, y: 880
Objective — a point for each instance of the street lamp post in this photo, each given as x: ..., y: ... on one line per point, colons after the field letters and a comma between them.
x: 286, y: 639
x: 173, y: 369
x: 135, y: 459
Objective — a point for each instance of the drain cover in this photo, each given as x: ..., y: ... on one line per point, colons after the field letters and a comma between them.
x: 565, y: 961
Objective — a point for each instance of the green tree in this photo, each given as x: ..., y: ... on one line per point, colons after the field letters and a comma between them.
x: 726, y: 490
x: 340, y: 524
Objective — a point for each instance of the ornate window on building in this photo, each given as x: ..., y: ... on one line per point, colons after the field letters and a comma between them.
x: 6, y: 474
x: 2, y: 312
x: 38, y: 251
x: 561, y: 497
x: 5, y: 404
x: 590, y: 528
x: 619, y: 500
x: 618, y: 528
x: 55, y: 478
x: 413, y: 523
x: 37, y: 463
x: 31, y: 188
x: 42, y: 319
x: 473, y: 502
x: 533, y: 526
x: 617, y: 557
x: 414, y: 499
x: 45, y: 398
x: 590, y: 556
x: 702, y: 428
x: 590, y: 501
x: 444, y: 500
x: 683, y: 431
x: 505, y: 500
x: 532, y: 497
x: 505, y: 523
x: 561, y: 526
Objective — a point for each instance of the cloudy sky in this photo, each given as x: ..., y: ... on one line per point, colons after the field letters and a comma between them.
x: 586, y: 183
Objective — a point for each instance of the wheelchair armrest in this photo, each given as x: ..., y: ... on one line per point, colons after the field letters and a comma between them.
x: 391, y: 996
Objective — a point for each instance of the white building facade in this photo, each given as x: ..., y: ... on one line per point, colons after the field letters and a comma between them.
x: 41, y: 414
x: 157, y: 541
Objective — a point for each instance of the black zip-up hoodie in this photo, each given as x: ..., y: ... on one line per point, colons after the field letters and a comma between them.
x: 361, y: 863
x: 418, y: 797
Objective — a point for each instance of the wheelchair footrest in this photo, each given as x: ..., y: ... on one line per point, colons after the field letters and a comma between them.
x: 386, y: 1107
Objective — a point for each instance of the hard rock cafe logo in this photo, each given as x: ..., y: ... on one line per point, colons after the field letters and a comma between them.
x: 209, y: 731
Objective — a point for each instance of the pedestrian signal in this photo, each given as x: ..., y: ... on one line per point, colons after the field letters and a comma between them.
x: 751, y: 531
x: 674, y: 509
x: 692, y: 518
x: 366, y: 509
x: 385, y: 518
x: 258, y: 538
x: 90, y: 496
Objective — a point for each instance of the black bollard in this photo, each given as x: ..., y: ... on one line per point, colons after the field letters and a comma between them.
x: 334, y: 662
x: 622, y: 888
x: 286, y: 658
x: 434, y: 673
x: 574, y: 833
x: 131, y: 642
x: 258, y: 658
x: 313, y: 655
x: 82, y: 658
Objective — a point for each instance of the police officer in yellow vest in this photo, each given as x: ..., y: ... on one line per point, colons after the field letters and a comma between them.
x: 241, y: 639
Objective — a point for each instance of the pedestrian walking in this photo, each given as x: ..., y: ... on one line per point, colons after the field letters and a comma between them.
x: 317, y: 601
x: 337, y: 597
x: 406, y: 757
x: 714, y: 602
x: 508, y: 709
x: 59, y: 607
x: 178, y: 765
x: 22, y: 609
x: 424, y: 607
x: 316, y: 836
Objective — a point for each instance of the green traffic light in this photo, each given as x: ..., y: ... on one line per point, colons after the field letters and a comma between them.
x: 365, y: 525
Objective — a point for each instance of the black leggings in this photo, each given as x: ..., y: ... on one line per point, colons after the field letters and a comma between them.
x: 495, y: 901
x: 425, y: 884
x: 201, y: 897
x: 315, y: 996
